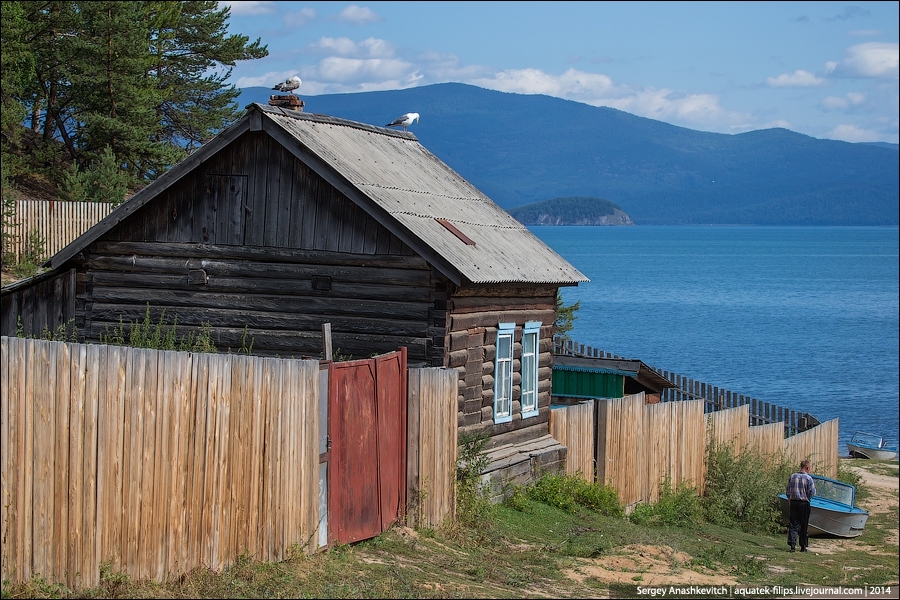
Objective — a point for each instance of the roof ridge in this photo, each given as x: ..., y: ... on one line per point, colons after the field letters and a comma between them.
x: 329, y: 120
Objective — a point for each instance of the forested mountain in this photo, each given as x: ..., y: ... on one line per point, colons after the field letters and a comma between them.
x: 520, y: 149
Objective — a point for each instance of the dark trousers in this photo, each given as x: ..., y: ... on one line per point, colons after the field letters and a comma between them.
x: 799, y: 524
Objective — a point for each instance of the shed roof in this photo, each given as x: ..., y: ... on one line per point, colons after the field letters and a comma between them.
x: 411, y: 192
x: 636, y: 369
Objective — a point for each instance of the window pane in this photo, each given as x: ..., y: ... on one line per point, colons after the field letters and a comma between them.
x: 503, y: 381
x: 529, y: 372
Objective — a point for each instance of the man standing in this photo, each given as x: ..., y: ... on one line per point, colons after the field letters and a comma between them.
x: 800, y: 489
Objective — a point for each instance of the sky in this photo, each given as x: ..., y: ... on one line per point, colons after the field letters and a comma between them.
x: 824, y: 69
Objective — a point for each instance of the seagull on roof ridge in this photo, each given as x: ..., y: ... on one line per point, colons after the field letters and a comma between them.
x: 404, y: 121
x: 288, y: 85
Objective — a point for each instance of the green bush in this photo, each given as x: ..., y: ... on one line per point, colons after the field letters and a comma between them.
x: 676, y: 507
x: 473, y: 504
x: 569, y: 492
x: 742, y: 489
x: 30, y: 262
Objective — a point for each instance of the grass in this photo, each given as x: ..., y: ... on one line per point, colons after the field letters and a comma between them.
x: 527, y: 547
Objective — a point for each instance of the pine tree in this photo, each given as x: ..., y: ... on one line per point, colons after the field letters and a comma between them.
x: 146, y: 78
x: 192, y: 60
x: 116, y: 99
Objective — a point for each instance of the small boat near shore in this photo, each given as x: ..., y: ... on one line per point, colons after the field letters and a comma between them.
x: 869, y: 445
x: 832, y: 511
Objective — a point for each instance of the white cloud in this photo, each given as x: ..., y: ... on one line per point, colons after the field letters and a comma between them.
x: 872, y: 59
x: 241, y: 8
x: 341, y: 46
x: 665, y: 105
x: 299, y: 18
x: 600, y: 90
x: 268, y: 79
x: 798, y: 78
x: 344, y: 46
x: 571, y: 84
x: 851, y: 99
x: 356, y: 70
x: 852, y: 133
x: 783, y: 123
x: 358, y: 15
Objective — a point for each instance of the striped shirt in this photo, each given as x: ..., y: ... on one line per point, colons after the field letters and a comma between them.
x: 801, y: 487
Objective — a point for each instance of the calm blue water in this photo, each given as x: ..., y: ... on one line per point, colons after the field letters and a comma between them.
x: 804, y: 317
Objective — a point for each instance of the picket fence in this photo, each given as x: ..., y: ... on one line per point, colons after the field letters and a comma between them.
x: 152, y: 463
x: 637, y: 445
x: 57, y: 223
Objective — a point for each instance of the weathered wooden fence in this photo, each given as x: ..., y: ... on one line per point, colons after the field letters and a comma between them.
x: 432, y: 443
x: 714, y: 398
x: 57, y: 223
x: 639, y: 445
x: 574, y: 428
x: 156, y: 462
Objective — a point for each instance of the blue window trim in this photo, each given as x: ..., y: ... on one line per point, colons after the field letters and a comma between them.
x: 504, y: 329
x: 531, y: 328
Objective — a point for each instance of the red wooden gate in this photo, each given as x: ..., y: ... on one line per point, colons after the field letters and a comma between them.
x: 367, y: 460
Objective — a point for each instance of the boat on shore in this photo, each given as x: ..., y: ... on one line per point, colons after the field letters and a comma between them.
x: 832, y: 511
x: 870, y: 445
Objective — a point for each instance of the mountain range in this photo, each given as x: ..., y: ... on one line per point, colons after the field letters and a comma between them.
x: 520, y: 149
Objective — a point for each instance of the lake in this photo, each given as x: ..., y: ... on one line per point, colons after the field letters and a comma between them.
x: 803, y: 317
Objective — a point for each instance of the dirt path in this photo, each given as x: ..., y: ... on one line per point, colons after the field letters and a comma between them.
x: 655, y: 565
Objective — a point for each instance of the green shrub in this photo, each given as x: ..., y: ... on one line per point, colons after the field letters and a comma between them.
x: 30, y: 262
x: 742, y: 489
x: 569, y: 492
x: 675, y: 507
x: 473, y: 504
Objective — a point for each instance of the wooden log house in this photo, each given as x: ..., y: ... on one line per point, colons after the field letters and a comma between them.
x: 289, y: 220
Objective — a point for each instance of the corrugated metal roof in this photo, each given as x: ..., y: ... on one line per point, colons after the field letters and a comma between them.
x: 416, y: 188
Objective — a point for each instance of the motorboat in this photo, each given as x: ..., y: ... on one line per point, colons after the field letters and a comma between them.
x: 832, y: 511
x: 869, y: 445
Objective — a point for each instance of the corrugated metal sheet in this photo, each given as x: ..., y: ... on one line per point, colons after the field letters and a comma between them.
x: 587, y: 384
x: 415, y: 187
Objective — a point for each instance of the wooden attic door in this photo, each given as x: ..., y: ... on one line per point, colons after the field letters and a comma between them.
x: 367, y: 459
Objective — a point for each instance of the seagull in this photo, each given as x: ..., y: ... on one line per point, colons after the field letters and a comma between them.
x: 288, y: 85
x: 404, y: 121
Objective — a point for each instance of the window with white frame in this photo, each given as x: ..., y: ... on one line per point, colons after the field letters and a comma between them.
x: 503, y: 373
x: 530, y: 354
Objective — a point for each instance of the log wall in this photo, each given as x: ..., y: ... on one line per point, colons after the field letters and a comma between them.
x: 473, y: 316
x: 254, y: 239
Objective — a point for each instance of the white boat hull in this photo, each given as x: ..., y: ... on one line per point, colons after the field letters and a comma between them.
x: 871, y: 453
x: 825, y: 521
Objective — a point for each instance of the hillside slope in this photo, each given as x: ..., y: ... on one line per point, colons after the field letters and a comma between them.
x: 519, y: 149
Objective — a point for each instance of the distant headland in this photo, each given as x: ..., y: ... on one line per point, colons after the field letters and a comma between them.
x: 573, y: 210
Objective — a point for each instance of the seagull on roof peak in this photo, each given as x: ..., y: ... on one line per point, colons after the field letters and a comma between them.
x: 404, y: 121
x: 288, y: 85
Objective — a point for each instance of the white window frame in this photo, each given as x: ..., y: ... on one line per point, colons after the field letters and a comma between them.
x: 530, y: 366
x: 503, y: 372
